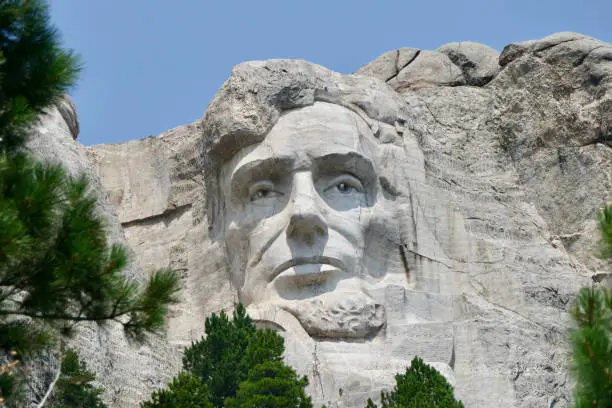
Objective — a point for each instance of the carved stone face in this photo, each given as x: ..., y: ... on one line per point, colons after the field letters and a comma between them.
x: 298, y: 207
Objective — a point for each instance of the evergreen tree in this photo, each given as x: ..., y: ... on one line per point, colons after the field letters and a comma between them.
x: 219, y: 358
x: 237, y: 365
x: 74, y: 388
x: 592, y: 338
x: 421, y: 386
x: 185, y: 391
x: 592, y: 348
x: 35, y: 71
x: 604, y: 224
x: 271, y: 385
x: 56, y: 267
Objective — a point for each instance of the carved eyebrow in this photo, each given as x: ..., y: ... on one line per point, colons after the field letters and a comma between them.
x: 261, y: 169
x: 350, y: 162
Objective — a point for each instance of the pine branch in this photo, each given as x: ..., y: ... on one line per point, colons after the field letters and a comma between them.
x: 75, y: 318
x: 51, y: 387
x: 594, y: 361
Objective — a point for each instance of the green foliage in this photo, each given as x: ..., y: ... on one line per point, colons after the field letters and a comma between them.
x: 74, y: 387
x: 604, y: 223
x: 271, y: 385
x: 421, y: 386
x: 34, y: 70
x: 592, y: 337
x: 56, y: 267
x: 264, y: 346
x: 236, y: 365
x: 592, y: 347
x: 219, y: 358
x: 185, y: 391
x: 55, y: 264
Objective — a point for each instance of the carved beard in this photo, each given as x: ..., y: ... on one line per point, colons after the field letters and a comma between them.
x: 338, y: 315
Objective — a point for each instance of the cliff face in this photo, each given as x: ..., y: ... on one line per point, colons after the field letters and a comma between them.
x: 513, y: 164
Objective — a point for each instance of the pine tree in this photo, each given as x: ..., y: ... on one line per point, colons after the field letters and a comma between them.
x: 56, y: 267
x: 35, y: 71
x: 592, y: 348
x: 74, y: 388
x: 185, y: 391
x: 271, y: 384
x: 421, y: 386
x: 218, y: 359
x: 592, y: 338
x: 239, y: 366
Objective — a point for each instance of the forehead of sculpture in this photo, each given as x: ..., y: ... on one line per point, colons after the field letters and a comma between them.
x: 305, y: 134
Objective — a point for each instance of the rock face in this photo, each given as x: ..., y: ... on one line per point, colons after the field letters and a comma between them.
x: 127, y: 371
x: 476, y: 215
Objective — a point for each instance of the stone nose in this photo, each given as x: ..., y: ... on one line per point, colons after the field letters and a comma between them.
x: 306, y: 222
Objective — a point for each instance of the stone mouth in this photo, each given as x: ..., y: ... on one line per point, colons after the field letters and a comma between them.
x: 312, y: 265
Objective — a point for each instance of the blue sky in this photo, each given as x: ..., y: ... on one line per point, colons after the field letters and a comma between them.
x: 151, y: 65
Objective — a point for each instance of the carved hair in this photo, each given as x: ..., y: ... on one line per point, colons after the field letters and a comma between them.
x: 251, y: 101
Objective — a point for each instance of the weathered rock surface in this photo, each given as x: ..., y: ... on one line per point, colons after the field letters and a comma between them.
x: 478, y: 62
x: 510, y: 165
x: 127, y: 371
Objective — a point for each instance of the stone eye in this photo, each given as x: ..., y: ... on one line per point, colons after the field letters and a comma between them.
x: 261, y: 190
x: 345, y: 184
x: 344, y: 188
x: 260, y: 194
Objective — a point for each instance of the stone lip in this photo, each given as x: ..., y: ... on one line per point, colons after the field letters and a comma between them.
x: 324, y: 264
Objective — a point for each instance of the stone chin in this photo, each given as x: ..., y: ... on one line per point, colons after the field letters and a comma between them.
x: 338, y: 315
x: 326, y: 300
